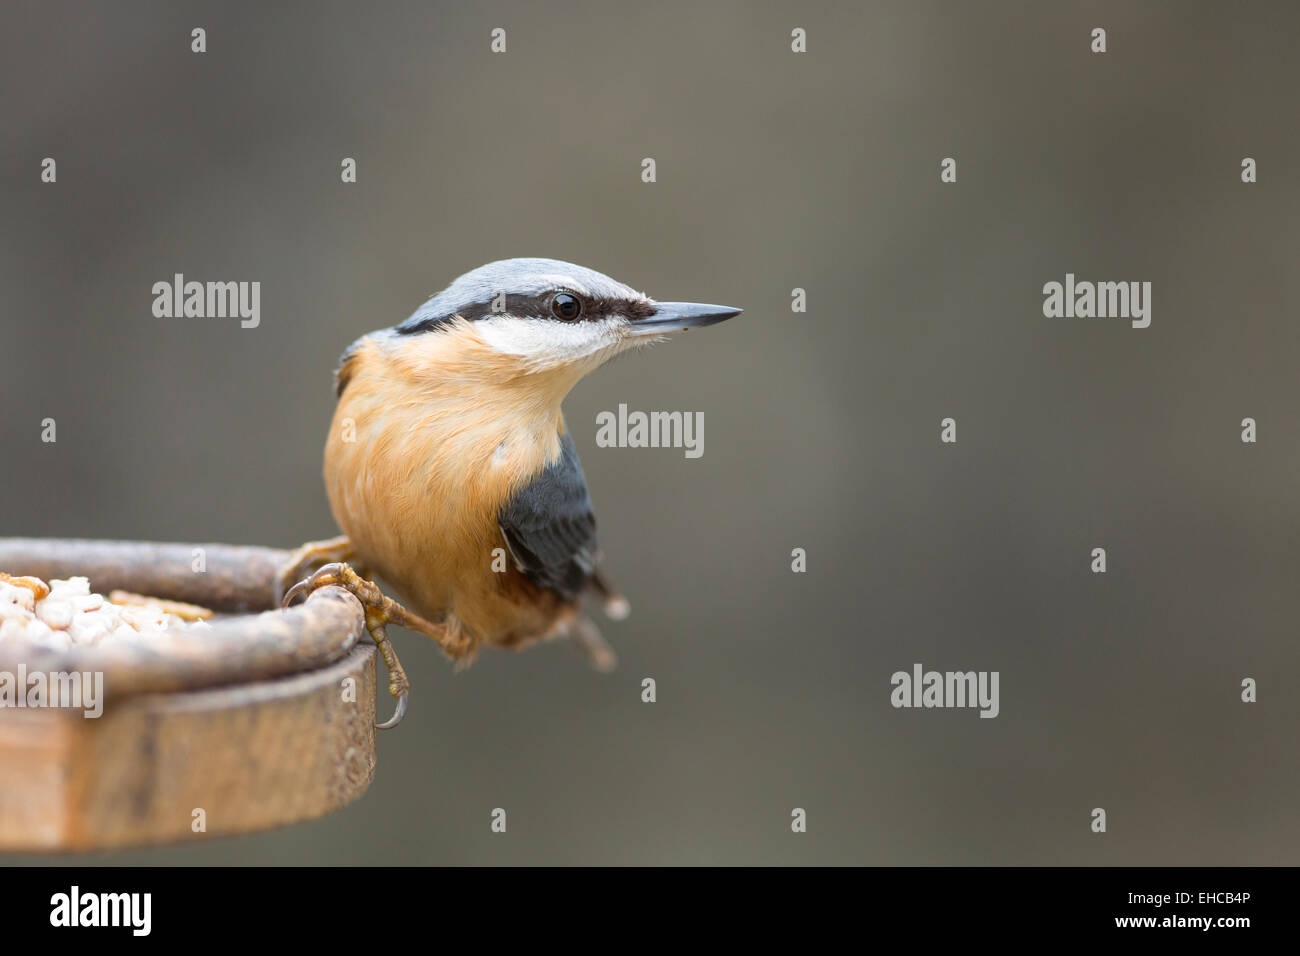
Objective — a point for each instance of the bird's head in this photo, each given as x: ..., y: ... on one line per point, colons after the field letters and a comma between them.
x: 544, y: 315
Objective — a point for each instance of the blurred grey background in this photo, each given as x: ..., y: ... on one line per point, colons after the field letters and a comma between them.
x: 775, y: 170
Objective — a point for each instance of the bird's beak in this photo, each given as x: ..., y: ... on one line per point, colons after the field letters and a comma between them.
x: 671, y: 317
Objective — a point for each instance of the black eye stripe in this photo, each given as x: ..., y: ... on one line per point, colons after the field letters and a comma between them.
x: 529, y: 307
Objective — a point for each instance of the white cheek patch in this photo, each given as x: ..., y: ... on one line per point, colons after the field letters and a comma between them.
x: 546, y: 342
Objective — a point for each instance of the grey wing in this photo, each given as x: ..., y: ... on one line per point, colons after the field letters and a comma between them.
x: 550, y: 528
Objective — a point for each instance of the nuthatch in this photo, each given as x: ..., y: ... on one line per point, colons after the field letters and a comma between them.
x: 449, y: 452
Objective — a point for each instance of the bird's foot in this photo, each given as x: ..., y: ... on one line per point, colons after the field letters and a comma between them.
x: 382, y: 611
x: 310, y: 556
x: 379, y: 611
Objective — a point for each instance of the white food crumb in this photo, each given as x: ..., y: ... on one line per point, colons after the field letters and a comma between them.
x: 73, y: 615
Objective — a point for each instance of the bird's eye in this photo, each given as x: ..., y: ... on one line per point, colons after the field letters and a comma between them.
x: 565, y: 306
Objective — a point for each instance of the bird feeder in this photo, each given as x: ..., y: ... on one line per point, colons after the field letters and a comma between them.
x: 264, y: 718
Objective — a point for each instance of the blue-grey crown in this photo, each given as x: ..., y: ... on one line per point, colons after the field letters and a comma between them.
x: 526, y: 284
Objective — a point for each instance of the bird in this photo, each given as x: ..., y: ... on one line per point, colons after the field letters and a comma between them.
x: 451, y: 471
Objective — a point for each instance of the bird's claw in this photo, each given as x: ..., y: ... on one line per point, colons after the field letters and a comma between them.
x: 298, y: 590
x: 398, y: 714
x: 378, y: 611
x: 313, y: 554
